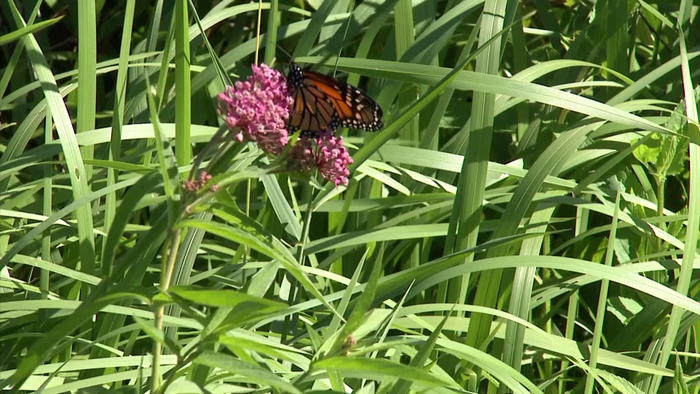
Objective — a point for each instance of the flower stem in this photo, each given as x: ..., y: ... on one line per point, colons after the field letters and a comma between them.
x: 168, y: 263
x: 307, y: 222
x: 660, y: 201
x: 295, y: 292
x: 215, y: 139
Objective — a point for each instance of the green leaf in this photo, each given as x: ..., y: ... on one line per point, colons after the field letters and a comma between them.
x: 252, y: 373
x: 227, y: 298
x: 379, y: 369
x: 648, y: 152
x: 357, y: 316
x: 31, y: 29
x: 252, y: 234
x: 619, y: 383
x: 680, y: 386
x: 419, y: 360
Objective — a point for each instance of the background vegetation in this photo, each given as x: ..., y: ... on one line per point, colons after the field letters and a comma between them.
x: 527, y: 220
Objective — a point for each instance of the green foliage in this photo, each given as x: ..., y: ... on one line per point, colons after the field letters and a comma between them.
x: 479, y: 247
x: 664, y: 154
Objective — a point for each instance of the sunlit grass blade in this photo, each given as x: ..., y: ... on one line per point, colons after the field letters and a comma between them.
x: 273, y: 20
x: 87, y: 77
x: 73, y: 158
x: 603, y: 297
x: 183, y: 90
x: 313, y: 30
x: 690, y: 96
x: 523, y: 282
x: 119, y: 104
x: 30, y: 29
x: 252, y: 372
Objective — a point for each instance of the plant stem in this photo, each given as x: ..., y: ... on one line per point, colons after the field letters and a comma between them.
x: 166, y: 273
x: 215, y: 139
x: 307, y: 224
x: 300, y: 256
x: 602, y: 300
x: 659, y: 276
x: 48, y: 192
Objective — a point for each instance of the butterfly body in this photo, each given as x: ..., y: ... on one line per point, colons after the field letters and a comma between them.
x: 322, y: 104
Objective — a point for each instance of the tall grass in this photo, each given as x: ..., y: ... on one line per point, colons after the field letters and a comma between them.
x: 525, y: 222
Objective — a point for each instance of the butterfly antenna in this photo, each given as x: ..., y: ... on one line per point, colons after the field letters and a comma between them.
x: 345, y: 36
x: 287, y: 54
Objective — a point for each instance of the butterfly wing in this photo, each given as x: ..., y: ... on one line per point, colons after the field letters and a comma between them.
x: 312, y: 111
x: 323, y: 104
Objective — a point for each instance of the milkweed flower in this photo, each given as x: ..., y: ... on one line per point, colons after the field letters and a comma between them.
x: 327, y: 153
x: 258, y: 109
x: 194, y: 185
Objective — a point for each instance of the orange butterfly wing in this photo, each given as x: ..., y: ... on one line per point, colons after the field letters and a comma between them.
x: 322, y: 104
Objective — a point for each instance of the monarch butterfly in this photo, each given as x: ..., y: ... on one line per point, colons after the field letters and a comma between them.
x: 322, y: 104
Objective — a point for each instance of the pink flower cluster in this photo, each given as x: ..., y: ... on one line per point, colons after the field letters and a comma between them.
x: 329, y: 155
x: 196, y: 184
x: 258, y: 108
